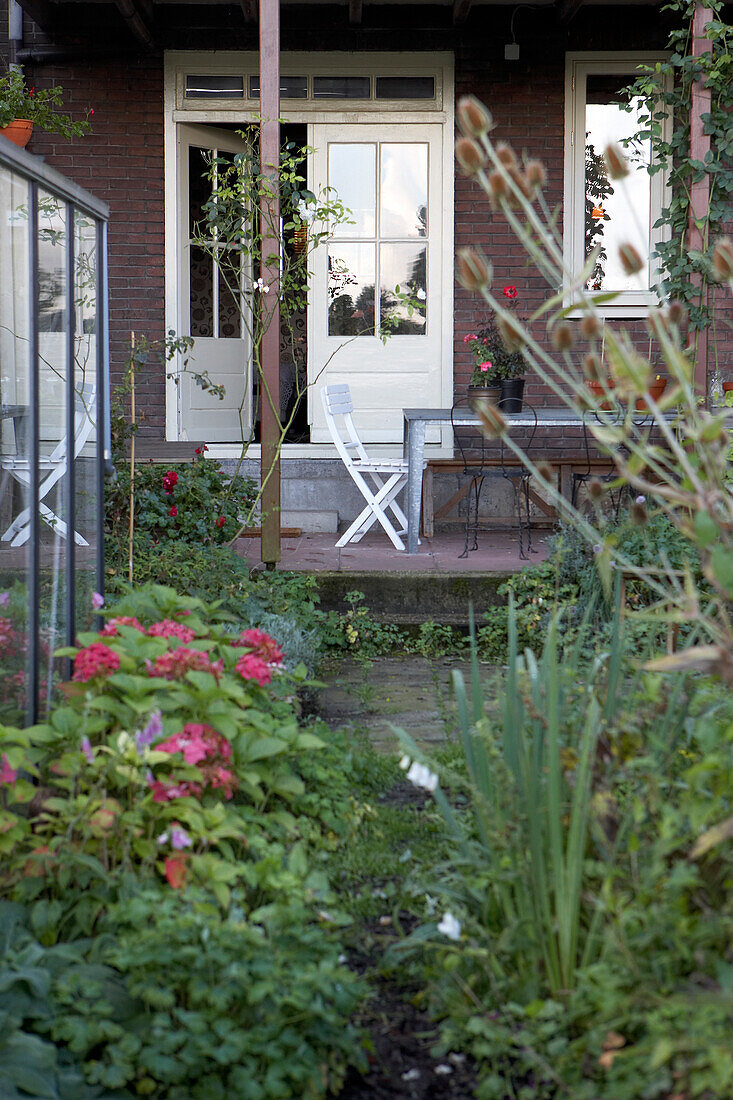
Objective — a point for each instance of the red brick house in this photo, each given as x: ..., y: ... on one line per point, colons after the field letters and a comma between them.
x: 372, y: 86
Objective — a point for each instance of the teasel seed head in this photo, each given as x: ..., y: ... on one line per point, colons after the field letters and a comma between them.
x: 506, y: 155
x: 473, y: 271
x: 470, y: 156
x: 631, y: 261
x: 492, y: 422
x: 592, y: 367
x: 473, y: 117
x: 616, y: 162
x: 563, y: 337
x: 512, y: 333
x: 677, y: 313
x: 536, y: 175
x: 723, y: 260
x: 590, y: 326
x: 638, y: 514
x: 595, y: 489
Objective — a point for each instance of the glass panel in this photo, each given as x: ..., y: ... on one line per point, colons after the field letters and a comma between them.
x: 202, y: 293
x: 214, y: 87
x: 14, y: 443
x: 352, y: 172
x: 230, y: 318
x: 351, y: 277
x: 199, y: 186
x: 403, y: 266
x: 86, y: 504
x: 616, y: 212
x: 341, y: 87
x: 403, y: 190
x: 53, y: 441
x: 291, y: 87
x: 405, y: 87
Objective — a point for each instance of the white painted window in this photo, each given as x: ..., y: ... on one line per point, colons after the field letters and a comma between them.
x: 599, y: 212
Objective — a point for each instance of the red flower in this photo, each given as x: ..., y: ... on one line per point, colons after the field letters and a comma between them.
x: 202, y: 747
x: 110, y: 630
x: 96, y: 660
x: 221, y: 521
x: 177, y: 662
x: 168, y: 628
x: 91, y: 110
x: 170, y: 480
x: 252, y: 667
x: 175, y: 871
x: 510, y: 292
x: 8, y: 774
x: 197, y: 451
x: 173, y: 511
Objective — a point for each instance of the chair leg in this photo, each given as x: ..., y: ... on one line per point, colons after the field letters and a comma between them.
x: 374, y: 512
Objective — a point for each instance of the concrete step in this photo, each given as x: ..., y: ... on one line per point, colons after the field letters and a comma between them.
x: 310, y: 521
x: 412, y: 598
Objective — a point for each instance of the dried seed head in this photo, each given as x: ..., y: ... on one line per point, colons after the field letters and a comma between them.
x: 520, y: 182
x: 595, y: 489
x: 473, y: 271
x: 536, y: 175
x: 638, y: 514
x: 546, y: 472
x: 473, y: 117
x: 470, y: 156
x: 658, y: 323
x: 592, y: 367
x: 723, y: 260
x: 631, y: 261
x: 563, y: 336
x: 616, y: 162
x: 590, y: 326
x: 512, y: 333
x: 493, y: 423
x: 506, y: 155
x: 498, y: 187
x: 677, y: 313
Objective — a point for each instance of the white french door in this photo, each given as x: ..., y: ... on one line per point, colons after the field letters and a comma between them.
x: 210, y: 303
x: 391, y: 178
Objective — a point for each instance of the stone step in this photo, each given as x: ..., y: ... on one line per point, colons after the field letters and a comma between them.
x: 310, y: 521
x: 412, y: 598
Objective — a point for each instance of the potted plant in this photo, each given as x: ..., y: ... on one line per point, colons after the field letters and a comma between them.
x: 498, y: 373
x: 656, y: 389
x: 22, y: 108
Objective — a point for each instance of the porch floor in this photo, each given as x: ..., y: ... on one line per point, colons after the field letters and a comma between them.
x: 498, y: 552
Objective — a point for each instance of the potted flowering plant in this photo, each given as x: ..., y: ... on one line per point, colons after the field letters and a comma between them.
x: 22, y: 108
x: 497, y: 371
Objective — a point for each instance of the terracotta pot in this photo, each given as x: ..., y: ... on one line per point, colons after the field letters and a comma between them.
x: 488, y: 395
x: 727, y: 387
x: 18, y: 131
x: 599, y: 391
x: 655, y: 390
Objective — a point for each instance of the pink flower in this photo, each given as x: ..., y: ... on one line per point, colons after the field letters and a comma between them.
x: 262, y: 645
x: 110, y: 629
x: 177, y: 662
x: 169, y: 628
x: 95, y: 660
x: 485, y: 366
x: 4, y: 599
x: 86, y: 748
x: 175, y: 871
x: 252, y: 667
x: 8, y: 774
x: 97, y: 601
x: 173, y: 511
x: 204, y: 748
x: 471, y: 336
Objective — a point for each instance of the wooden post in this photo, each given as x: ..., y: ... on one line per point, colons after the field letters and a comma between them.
x: 270, y: 213
x: 700, y: 191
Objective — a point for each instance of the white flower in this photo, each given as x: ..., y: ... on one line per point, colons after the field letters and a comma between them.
x: 443, y: 1069
x: 450, y: 927
x: 421, y: 295
x: 641, y: 499
x: 163, y: 838
x: 421, y: 776
x: 405, y: 763
x: 411, y: 1075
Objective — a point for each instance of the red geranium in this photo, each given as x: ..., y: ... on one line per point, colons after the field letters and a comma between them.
x: 510, y: 292
x: 170, y: 480
x: 221, y: 521
x: 173, y: 511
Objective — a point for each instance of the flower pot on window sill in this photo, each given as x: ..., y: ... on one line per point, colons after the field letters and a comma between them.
x: 18, y: 131
x: 511, y: 395
x: 599, y: 391
x: 484, y: 395
x: 656, y: 390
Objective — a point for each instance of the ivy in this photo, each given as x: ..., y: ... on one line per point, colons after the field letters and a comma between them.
x: 666, y: 88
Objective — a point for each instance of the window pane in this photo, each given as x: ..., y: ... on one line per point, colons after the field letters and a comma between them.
x: 230, y: 318
x: 351, y: 277
x: 199, y: 187
x: 202, y: 293
x: 352, y: 172
x: 214, y: 87
x: 404, y: 190
x: 403, y: 266
x: 341, y: 87
x: 291, y: 87
x: 616, y: 211
x: 405, y: 87
x: 85, y: 418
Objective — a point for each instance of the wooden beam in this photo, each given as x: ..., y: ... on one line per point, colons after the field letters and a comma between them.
x: 43, y: 14
x: 700, y: 190
x: 461, y: 8
x: 138, y: 16
x: 249, y: 10
x: 270, y: 272
x: 568, y: 9
x: 355, y: 12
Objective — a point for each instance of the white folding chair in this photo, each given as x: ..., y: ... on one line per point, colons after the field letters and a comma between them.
x: 388, y: 476
x: 54, y: 466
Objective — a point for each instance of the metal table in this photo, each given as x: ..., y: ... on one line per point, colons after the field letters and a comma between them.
x: 415, y: 423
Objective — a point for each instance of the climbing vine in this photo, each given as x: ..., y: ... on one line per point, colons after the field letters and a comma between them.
x: 666, y: 88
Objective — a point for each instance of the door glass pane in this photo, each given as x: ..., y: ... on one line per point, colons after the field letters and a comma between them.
x: 351, y: 278
x: 202, y: 293
x: 199, y: 187
x: 616, y: 212
x: 352, y: 172
x: 403, y: 190
x: 230, y: 318
x: 86, y: 503
x: 403, y: 265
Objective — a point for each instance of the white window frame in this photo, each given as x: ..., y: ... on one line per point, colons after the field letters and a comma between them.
x: 177, y: 109
x: 578, y: 66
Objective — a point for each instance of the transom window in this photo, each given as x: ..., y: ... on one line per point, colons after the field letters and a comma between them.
x: 368, y: 87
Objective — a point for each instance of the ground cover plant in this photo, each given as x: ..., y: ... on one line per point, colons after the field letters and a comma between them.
x: 170, y: 929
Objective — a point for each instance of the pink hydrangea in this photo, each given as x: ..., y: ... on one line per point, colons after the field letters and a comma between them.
x: 167, y: 791
x: 469, y: 337
x: 8, y: 774
x: 110, y: 628
x: 95, y: 660
x: 252, y: 667
x: 169, y: 628
x: 177, y: 662
x: 202, y: 747
x: 8, y: 637
x: 263, y: 645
